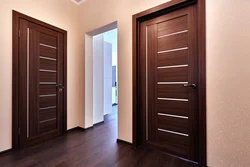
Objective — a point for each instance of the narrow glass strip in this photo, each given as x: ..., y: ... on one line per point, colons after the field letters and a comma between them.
x: 180, y: 32
x: 172, y: 99
x: 173, y: 50
x: 47, y: 83
x: 146, y: 83
x: 177, y: 66
x: 52, y: 95
x: 53, y: 47
x: 47, y: 58
x: 172, y: 83
x: 42, y: 70
x: 48, y: 120
x: 177, y: 133
x: 28, y: 67
x: 170, y: 115
x: 46, y: 108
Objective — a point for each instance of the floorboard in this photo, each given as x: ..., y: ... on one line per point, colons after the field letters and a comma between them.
x: 96, y: 147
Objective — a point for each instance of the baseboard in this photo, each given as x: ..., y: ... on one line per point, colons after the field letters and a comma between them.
x: 99, y: 123
x: 76, y: 129
x: 125, y: 142
x: 84, y: 129
x: 6, y: 151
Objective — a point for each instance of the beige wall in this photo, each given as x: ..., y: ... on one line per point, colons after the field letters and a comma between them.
x: 228, y: 70
x: 61, y: 13
x: 228, y: 83
x: 228, y: 90
x: 95, y: 14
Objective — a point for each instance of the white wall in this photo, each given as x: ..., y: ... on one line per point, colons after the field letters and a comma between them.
x: 102, y: 79
x: 107, y: 82
x: 98, y: 78
x: 86, y: 91
x: 86, y: 71
x: 114, y: 95
x: 61, y: 13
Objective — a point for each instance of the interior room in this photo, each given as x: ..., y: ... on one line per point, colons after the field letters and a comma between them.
x: 124, y: 83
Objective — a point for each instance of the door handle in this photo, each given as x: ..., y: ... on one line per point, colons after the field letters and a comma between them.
x: 60, y: 87
x: 190, y: 85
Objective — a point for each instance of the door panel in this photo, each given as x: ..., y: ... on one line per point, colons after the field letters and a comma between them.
x: 47, y: 114
x: 176, y: 124
x: 48, y: 101
x: 175, y: 74
x: 48, y: 52
x: 168, y: 65
x: 47, y: 89
x: 47, y: 76
x: 48, y: 41
x: 173, y: 25
x: 41, y: 68
x: 172, y: 107
x: 176, y: 41
x: 173, y: 58
x: 174, y: 91
x: 47, y: 125
x: 170, y: 142
x: 48, y: 64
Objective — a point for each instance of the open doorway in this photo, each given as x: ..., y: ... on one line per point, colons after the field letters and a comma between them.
x: 104, y: 75
x: 101, y: 87
x: 110, y: 73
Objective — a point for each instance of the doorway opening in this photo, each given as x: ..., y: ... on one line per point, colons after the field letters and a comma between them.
x: 104, y: 75
x: 101, y: 73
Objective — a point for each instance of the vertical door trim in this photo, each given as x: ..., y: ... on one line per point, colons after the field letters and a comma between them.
x: 146, y: 91
x: 152, y: 13
x: 28, y: 83
x: 16, y: 16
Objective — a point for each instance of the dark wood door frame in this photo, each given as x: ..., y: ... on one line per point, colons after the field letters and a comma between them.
x: 15, y: 72
x: 152, y: 13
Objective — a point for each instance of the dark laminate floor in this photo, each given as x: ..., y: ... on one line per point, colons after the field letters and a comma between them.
x: 94, y: 147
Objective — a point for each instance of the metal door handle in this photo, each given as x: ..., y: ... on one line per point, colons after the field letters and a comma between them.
x: 60, y: 87
x: 190, y: 85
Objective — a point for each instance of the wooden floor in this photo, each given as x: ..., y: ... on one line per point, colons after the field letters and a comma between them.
x: 94, y: 147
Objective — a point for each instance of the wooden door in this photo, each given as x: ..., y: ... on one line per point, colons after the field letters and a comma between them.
x: 41, y: 83
x: 168, y: 81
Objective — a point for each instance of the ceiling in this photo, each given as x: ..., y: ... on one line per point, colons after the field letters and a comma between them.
x: 78, y: 2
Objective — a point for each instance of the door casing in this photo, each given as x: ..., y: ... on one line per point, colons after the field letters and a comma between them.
x: 16, y: 16
x: 150, y: 14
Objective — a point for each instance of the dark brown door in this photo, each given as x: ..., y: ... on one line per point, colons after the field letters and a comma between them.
x: 168, y: 81
x: 41, y: 81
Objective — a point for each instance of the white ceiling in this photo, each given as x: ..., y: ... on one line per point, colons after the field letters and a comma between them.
x: 78, y: 2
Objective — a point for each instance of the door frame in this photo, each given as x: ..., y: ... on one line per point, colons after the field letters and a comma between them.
x: 158, y: 11
x: 16, y: 16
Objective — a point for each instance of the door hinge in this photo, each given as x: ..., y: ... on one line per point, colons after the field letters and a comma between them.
x: 19, y: 34
x: 19, y: 131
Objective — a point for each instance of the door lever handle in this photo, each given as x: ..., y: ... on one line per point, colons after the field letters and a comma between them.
x: 190, y: 85
x: 60, y: 87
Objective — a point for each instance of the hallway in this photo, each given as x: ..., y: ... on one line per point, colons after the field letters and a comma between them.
x: 94, y: 147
